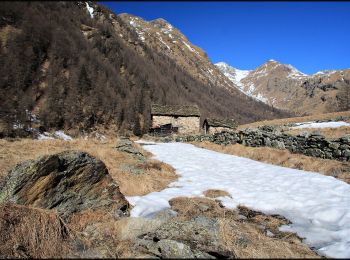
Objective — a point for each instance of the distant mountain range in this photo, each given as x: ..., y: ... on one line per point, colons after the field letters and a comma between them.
x: 285, y: 87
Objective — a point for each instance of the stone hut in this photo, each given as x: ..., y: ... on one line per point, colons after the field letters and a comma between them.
x: 215, y: 125
x: 184, y: 119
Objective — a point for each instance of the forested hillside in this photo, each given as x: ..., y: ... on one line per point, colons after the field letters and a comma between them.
x: 72, y: 69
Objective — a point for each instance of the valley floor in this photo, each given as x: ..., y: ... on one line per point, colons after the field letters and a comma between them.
x: 317, y: 205
x: 178, y: 190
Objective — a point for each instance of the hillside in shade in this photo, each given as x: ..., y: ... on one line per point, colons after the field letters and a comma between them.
x: 78, y: 65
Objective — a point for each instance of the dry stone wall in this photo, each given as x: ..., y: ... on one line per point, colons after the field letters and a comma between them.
x: 314, y: 145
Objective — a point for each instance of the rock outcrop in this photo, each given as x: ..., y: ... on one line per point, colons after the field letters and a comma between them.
x: 127, y: 146
x: 68, y: 182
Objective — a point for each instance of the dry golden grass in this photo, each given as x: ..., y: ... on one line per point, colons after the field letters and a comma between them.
x: 297, y: 119
x: 215, y: 193
x: 337, y: 169
x: 31, y: 233
x: 156, y: 175
x: 188, y: 208
x: 327, y: 132
x: 247, y: 238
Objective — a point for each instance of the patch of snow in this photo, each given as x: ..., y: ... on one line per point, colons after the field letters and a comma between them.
x: 320, y: 125
x: 144, y: 142
x: 319, y: 73
x: 45, y: 136
x: 190, y: 48
x: 294, y: 73
x: 56, y: 135
x: 233, y: 74
x: 170, y: 28
x: 269, y: 233
x: 139, y: 31
x: 60, y: 134
x: 261, y: 97
x: 322, y: 218
x: 161, y: 40
x: 90, y: 10
x: 325, y: 72
x: 251, y: 89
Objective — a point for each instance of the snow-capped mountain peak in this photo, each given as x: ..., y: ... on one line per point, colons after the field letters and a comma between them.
x: 295, y: 72
x: 279, y: 85
x: 235, y: 75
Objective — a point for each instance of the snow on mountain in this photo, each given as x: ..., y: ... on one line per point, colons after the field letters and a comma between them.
x: 235, y: 75
x: 275, y: 83
x: 294, y: 73
x: 90, y: 10
x: 325, y: 72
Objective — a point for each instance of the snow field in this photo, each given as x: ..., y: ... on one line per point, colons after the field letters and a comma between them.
x: 320, y: 125
x: 317, y: 205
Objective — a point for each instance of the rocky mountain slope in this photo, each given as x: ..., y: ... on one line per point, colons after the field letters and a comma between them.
x: 78, y: 65
x: 283, y: 86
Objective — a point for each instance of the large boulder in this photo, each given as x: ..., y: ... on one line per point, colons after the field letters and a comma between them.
x: 69, y: 182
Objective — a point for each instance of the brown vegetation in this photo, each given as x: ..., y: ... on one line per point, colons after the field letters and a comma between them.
x: 246, y: 236
x: 155, y: 175
x: 283, y: 121
x: 337, y: 169
x: 215, y: 193
x: 31, y: 233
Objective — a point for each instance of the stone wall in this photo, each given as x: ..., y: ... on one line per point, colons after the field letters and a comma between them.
x: 186, y: 125
x: 312, y: 145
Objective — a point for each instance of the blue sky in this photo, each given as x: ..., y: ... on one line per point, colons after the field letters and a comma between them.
x: 311, y: 36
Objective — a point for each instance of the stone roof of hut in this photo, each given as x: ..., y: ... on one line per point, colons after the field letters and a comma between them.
x: 175, y: 110
x: 221, y: 122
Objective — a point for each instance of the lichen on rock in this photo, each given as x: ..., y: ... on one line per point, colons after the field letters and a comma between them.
x: 69, y: 182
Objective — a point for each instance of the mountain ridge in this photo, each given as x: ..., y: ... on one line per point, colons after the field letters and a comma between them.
x: 79, y: 65
x: 283, y: 85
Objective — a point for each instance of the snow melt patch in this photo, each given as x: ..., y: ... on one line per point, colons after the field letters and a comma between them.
x: 90, y: 10
x: 45, y: 136
x: 61, y: 135
x: 56, y: 135
x: 190, y: 48
x: 320, y: 125
x: 294, y: 73
x: 323, y: 218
